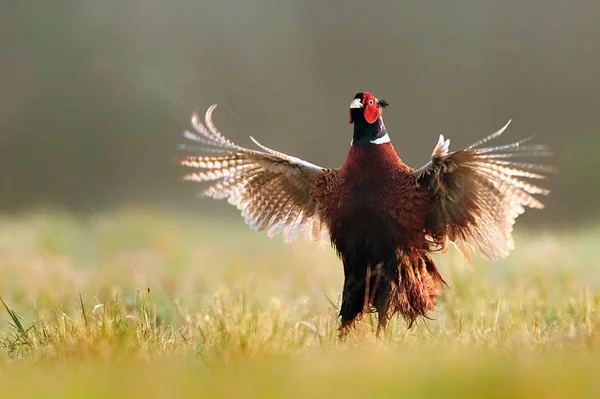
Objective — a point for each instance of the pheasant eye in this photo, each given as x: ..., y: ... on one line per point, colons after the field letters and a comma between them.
x: 371, y: 102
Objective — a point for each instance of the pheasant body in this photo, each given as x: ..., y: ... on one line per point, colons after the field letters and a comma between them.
x: 383, y: 217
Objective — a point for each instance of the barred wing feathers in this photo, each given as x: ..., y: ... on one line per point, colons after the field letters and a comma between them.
x: 273, y: 190
x: 479, y: 192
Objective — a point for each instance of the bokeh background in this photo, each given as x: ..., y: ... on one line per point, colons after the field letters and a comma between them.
x: 94, y: 95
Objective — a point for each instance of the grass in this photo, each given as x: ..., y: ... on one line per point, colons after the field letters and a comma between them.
x: 143, y: 304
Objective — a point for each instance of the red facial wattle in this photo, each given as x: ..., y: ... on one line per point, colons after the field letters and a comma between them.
x: 371, y: 110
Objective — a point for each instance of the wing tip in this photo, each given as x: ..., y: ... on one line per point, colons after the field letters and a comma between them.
x: 210, y: 110
x: 442, y: 147
x: 255, y: 141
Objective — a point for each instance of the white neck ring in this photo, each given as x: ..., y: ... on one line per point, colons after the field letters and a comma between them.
x: 381, y: 140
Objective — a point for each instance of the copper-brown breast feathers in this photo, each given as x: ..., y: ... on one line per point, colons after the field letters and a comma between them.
x: 273, y: 190
x: 477, y: 193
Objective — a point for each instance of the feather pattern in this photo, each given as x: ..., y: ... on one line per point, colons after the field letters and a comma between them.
x: 478, y: 193
x: 273, y: 191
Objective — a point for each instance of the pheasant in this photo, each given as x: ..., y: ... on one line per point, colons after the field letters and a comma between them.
x: 383, y: 218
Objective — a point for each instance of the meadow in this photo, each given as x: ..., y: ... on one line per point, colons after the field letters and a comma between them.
x: 138, y: 303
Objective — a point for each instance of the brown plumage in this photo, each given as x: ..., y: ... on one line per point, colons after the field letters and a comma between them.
x: 383, y: 217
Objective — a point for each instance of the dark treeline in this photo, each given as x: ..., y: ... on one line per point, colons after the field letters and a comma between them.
x: 94, y: 95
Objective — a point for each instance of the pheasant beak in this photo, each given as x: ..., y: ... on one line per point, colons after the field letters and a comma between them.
x: 356, y: 103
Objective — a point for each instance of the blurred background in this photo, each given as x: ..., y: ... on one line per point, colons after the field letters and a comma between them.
x: 94, y: 95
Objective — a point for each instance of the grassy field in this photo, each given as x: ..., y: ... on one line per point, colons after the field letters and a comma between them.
x: 140, y: 304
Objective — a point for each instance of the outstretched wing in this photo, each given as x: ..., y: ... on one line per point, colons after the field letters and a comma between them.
x: 274, y: 191
x: 478, y: 193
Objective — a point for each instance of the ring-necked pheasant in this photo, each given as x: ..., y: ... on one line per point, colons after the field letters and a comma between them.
x: 383, y: 217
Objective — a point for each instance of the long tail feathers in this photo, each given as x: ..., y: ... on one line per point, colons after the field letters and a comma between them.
x: 408, y: 285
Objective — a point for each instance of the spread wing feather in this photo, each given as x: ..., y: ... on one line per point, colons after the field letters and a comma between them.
x: 273, y: 191
x: 479, y: 192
